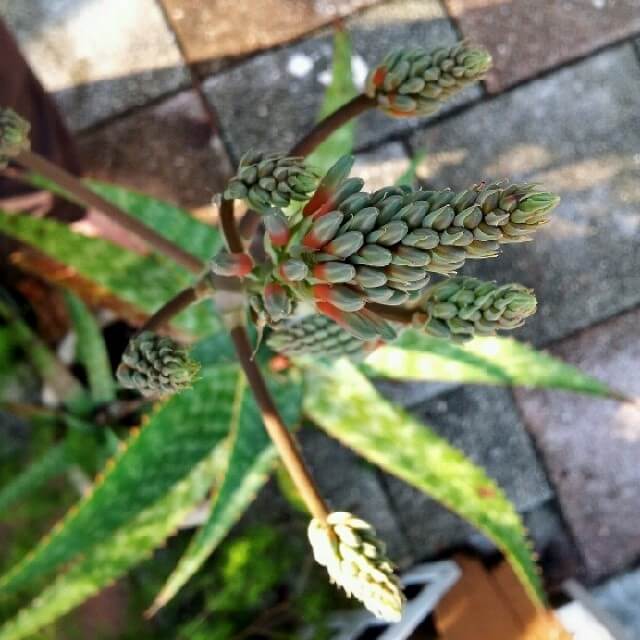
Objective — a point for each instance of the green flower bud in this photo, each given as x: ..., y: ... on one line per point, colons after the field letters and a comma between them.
x: 156, y: 365
x: 463, y: 307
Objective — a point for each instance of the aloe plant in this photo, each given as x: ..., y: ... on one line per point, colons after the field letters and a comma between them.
x: 339, y: 273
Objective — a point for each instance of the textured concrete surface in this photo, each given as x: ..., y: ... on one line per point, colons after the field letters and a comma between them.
x: 350, y: 484
x: 271, y: 100
x: 484, y: 423
x: 221, y: 28
x: 577, y: 133
x: 529, y: 42
x: 592, y: 446
x: 165, y: 150
x: 97, y: 58
x: 619, y: 597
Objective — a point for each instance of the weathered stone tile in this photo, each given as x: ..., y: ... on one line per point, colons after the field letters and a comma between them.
x: 592, y: 446
x: 484, y: 423
x: 619, y: 597
x: 211, y: 30
x: 272, y: 100
x: 381, y: 167
x: 530, y: 41
x: 165, y: 150
x: 350, y: 484
x: 577, y: 132
x: 97, y: 58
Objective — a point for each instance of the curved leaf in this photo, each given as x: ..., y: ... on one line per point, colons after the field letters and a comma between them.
x: 92, y: 351
x: 51, y: 464
x: 251, y: 459
x: 177, y: 436
x: 346, y: 405
x: 112, y: 557
x: 145, y: 281
x: 495, y: 361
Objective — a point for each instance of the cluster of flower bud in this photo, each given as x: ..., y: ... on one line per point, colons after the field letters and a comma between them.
x: 355, y: 560
x: 14, y: 135
x: 463, y: 307
x: 156, y: 365
x: 316, y: 334
x: 271, y: 180
x: 416, y: 82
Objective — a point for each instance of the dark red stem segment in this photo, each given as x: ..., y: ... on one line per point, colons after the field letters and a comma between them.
x: 170, y: 309
x: 84, y: 196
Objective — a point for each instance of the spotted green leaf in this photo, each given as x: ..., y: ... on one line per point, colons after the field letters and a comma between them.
x: 340, y: 91
x: 251, y: 459
x: 494, y: 361
x: 147, y: 282
x: 112, y: 556
x: 345, y: 404
x: 178, y: 435
x: 91, y: 350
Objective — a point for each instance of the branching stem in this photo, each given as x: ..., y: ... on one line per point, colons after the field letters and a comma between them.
x: 84, y: 196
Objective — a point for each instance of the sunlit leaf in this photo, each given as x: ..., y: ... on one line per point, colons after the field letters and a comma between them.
x: 112, y: 556
x: 177, y: 436
x: 91, y: 350
x: 346, y: 405
x: 494, y: 361
x: 340, y: 91
x: 251, y: 459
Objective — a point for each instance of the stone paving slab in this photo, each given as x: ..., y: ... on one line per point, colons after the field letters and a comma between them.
x: 484, y: 423
x: 349, y: 483
x: 271, y: 100
x: 592, y: 446
x: 531, y: 41
x: 619, y: 597
x: 224, y: 28
x: 577, y: 132
x: 165, y: 150
x: 97, y: 58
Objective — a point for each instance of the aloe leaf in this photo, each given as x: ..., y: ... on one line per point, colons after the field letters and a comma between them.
x: 91, y: 350
x: 340, y: 91
x: 113, y: 555
x: 52, y: 463
x: 251, y: 459
x: 177, y: 436
x: 409, y: 177
x: 144, y: 281
x: 345, y: 404
x: 493, y: 361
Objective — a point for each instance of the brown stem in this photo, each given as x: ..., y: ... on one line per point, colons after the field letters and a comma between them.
x: 282, y: 438
x: 315, y: 137
x: 170, y: 309
x: 88, y: 198
x: 395, y: 314
x: 326, y: 127
x: 229, y: 229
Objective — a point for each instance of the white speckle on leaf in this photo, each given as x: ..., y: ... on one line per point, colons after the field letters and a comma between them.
x: 299, y: 65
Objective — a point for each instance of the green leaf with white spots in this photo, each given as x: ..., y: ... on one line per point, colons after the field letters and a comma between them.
x: 146, y: 282
x: 91, y: 350
x: 251, y: 459
x: 111, y: 557
x: 339, y: 92
x: 492, y: 361
x: 177, y: 436
x: 345, y: 404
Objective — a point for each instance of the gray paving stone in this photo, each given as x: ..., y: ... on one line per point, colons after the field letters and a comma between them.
x: 97, y: 58
x: 619, y: 597
x: 591, y: 446
x: 272, y: 100
x: 484, y: 423
x: 577, y: 132
x: 350, y: 484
